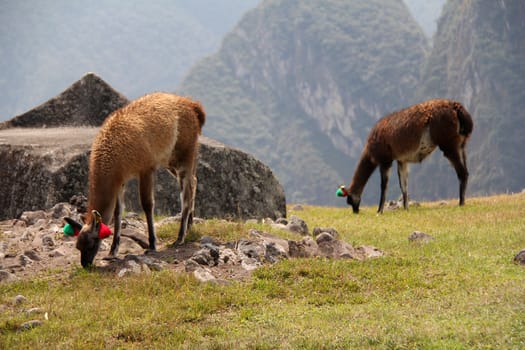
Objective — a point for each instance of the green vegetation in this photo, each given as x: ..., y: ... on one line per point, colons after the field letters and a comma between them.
x: 459, y: 291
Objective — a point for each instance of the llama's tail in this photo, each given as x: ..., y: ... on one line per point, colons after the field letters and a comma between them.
x: 201, y: 115
x: 465, y: 120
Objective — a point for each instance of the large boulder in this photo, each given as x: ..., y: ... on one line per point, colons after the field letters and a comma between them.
x: 41, y: 166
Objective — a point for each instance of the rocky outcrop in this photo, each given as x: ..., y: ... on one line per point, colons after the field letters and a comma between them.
x: 85, y: 103
x: 42, y: 166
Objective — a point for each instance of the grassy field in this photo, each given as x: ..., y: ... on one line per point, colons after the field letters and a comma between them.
x: 460, y: 291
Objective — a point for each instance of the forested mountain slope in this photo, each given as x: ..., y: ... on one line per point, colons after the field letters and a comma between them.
x: 479, y: 58
x: 299, y: 83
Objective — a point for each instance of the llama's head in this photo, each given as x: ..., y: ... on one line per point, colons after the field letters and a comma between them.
x: 89, y: 237
x: 354, y: 200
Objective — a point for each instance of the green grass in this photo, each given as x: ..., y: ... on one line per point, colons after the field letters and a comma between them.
x: 460, y: 291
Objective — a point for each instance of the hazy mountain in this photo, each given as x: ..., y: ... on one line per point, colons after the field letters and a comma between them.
x: 299, y: 83
x: 479, y: 58
x: 136, y: 46
x: 426, y: 13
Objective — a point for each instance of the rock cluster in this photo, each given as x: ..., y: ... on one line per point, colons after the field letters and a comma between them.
x: 35, y: 243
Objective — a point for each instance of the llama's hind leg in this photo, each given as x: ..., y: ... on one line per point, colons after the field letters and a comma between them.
x: 402, y: 174
x: 188, y: 185
x: 458, y: 160
x: 147, y: 200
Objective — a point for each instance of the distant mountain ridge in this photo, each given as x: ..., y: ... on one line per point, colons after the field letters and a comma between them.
x: 297, y: 84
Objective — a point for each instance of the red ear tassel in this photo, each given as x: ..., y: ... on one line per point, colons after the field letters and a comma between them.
x: 104, y: 232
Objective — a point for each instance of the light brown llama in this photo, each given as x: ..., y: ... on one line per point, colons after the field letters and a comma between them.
x: 409, y: 136
x: 156, y: 130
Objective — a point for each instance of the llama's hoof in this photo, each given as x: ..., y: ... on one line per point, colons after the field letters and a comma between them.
x: 178, y: 243
x: 150, y: 251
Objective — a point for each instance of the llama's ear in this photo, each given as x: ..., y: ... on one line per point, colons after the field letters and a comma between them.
x: 97, y: 218
x: 73, y: 223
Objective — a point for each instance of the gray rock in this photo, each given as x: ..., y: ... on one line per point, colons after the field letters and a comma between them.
x: 32, y: 254
x: 251, y: 249
x: 57, y: 253
x: 19, y: 299
x: 48, y: 242
x: 34, y: 310
x: 324, y: 237
x: 60, y: 210
x: 418, y: 236
x: 147, y: 263
x: 228, y: 257
x: 335, y: 249
x: 31, y: 217
x: 281, y: 221
x: 24, y: 260
x: 297, y: 225
x: 208, y: 255
x: 275, y: 252
x: 330, y: 230
x: 30, y: 325
x: 520, y: 257
x: 204, y: 275
x: 6, y: 276
x: 368, y: 252
x: 304, y: 248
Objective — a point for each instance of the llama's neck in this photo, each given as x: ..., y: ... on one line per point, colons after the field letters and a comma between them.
x: 102, y: 196
x: 364, y: 170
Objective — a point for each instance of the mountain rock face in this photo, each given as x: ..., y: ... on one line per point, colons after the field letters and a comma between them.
x: 477, y: 58
x: 299, y: 84
x: 44, y: 166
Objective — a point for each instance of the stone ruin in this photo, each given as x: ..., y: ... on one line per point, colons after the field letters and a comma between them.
x: 44, y: 155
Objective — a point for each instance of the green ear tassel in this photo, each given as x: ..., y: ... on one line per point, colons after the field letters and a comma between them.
x: 69, y: 230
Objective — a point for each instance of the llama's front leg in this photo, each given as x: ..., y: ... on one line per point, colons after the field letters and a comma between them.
x: 188, y: 184
x: 117, y: 218
x: 385, y: 173
x: 402, y: 173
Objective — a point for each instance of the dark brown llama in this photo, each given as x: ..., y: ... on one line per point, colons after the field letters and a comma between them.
x: 156, y: 130
x: 409, y: 136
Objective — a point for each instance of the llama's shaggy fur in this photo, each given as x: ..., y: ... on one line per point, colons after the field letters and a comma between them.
x: 408, y: 136
x: 156, y: 130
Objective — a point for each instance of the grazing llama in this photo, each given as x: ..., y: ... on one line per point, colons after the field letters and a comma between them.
x: 156, y: 130
x: 409, y: 136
